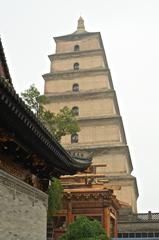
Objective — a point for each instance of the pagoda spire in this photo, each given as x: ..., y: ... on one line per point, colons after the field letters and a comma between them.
x: 80, y: 26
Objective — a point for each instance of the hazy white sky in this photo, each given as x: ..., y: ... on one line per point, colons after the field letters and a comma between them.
x: 130, y: 32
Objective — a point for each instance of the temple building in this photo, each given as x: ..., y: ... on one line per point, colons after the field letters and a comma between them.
x: 29, y: 158
x: 80, y: 78
x: 82, y: 196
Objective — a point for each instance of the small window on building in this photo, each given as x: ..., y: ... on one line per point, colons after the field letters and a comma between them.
x: 131, y: 235
x: 144, y: 235
x: 76, y: 66
x: 156, y: 234
x: 74, y: 138
x: 76, y: 48
x: 75, y: 87
x: 119, y: 235
x: 125, y: 235
x: 75, y: 111
x: 138, y: 235
x: 150, y: 235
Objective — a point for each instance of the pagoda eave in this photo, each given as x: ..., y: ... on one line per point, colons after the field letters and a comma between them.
x: 66, y: 55
x: 70, y: 73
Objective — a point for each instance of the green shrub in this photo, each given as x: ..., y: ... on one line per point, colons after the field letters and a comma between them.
x: 85, y: 229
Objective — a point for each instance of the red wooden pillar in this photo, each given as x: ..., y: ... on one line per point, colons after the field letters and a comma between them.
x: 115, y: 228
x: 69, y: 213
x: 106, y: 220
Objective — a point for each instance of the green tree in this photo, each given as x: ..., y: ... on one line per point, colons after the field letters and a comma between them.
x: 55, y: 192
x: 85, y: 229
x: 34, y: 100
x: 59, y: 124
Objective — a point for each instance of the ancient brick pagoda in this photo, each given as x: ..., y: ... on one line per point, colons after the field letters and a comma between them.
x: 80, y: 78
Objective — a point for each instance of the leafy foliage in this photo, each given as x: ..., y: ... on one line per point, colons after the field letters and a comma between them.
x: 55, y: 192
x: 59, y: 124
x: 34, y: 100
x: 85, y: 229
x: 65, y: 123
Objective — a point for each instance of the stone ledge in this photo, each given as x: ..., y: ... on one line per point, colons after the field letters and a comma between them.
x: 19, y: 187
x: 71, y: 74
x: 94, y: 146
x: 94, y: 93
x: 66, y: 55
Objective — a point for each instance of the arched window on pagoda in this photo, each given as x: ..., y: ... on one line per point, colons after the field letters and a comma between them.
x: 74, y: 138
x: 75, y: 87
x: 75, y: 111
x: 76, y: 66
x: 76, y: 48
